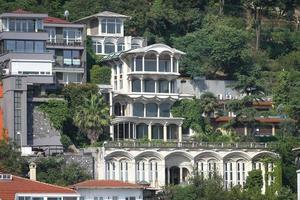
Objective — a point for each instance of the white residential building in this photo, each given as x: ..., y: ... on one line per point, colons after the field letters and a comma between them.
x: 149, y: 145
x: 109, y: 190
x: 107, y: 32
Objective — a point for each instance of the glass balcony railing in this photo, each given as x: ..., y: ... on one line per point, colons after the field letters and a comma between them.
x: 74, y: 43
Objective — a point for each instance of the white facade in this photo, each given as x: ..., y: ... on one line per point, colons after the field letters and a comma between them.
x: 111, y: 193
x: 31, y: 67
x: 160, y: 165
x: 107, y: 32
x: 144, y: 88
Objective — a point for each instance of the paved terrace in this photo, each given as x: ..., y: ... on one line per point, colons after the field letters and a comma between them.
x: 188, y: 145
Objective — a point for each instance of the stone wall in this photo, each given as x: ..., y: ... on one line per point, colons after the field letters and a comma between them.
x: 85, y: 160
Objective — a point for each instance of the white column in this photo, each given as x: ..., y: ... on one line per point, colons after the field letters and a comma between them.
x: 177, y: 66
x: 158, y: 111
x: 134, y: 63
x: 161, y: 173
x: 145, y: 110
x: 149, y: 131
x: 169, y: 82
x: 102, y: 45
x: 171, y: 63
x: 118, y: 77
x: 179, y: 133
x: 111, y: 131
x: 155, y: 86
x: 181, y: 174
x: 234, y: 173
x: 165, y: 132
x: 130, y: 85
x: 142, y: 85
x: 117, y: 171
x: 157, y: 62
x: 298, y: 184
x: 245, y: 130
x: 143, y: 63
x: 168, y: 173
x: 273, y: 129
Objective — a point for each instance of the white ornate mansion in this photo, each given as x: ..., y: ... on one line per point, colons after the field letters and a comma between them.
x: 148, y: 144
x: 144, y: 87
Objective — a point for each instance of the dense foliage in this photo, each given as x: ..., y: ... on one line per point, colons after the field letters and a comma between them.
x: 55, y: 170
x: 100, y: 75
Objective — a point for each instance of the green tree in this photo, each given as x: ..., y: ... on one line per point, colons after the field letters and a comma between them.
x: 209, y: 103
x: 100, y: 75
x: 92, y: 117
x: 254, y: 180
x: 55, y: 170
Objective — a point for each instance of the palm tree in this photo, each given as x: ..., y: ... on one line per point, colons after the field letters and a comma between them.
x: 92, y: 117
x: 209, y: 103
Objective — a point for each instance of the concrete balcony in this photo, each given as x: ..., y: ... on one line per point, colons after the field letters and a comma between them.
x: 65, y: 44
x: 8, y: 35
x: 187, y: 145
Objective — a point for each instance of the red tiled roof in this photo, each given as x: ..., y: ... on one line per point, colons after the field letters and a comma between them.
x: 260, y: 119
x: 54, y: 20
x: 8, y: 188
x: 106, y: 184
x: 21, y: 11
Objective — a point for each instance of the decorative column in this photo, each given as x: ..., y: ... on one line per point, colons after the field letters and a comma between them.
x: 181, y: 175
x: 142, y: 84
x: 169, y: 84
x: 149, y: 131
x: 134, y: 64
x: 172, y: 64
x: 157, y: 63
x: 155, y: 86
x: 143, y: 63
x: 168, y: 176
x: 180, y: 133
x: 273, y: 130
x: 144, y: 110
x: 245, y: 131
x: 165, y: 132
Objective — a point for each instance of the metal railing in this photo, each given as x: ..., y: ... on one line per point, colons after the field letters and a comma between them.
x: 188, y: 145
x: 64, y: 43
x: 47, y: 150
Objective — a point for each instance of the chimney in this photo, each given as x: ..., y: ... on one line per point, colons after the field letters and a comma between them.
x: 32, y: 171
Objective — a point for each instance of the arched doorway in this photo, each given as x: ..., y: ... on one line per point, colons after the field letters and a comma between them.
x: 174, y: 175
x: 177, y: 175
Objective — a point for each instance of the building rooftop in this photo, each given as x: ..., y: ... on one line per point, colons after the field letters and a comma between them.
x: 159, y: 48
x: 104, y: 14
x: 10, y: 187
x: 54, y: 20
x: 106, y: 184
x: 20, y: 13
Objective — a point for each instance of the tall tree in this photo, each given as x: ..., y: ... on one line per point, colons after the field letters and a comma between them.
x: 92, y: 117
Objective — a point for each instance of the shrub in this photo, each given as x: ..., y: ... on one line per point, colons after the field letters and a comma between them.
x: 100, y: 75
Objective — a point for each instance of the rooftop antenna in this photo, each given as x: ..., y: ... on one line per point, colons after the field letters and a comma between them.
x: 66, y: 14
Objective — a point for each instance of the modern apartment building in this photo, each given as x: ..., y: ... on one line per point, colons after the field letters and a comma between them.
x: 37, y: 54
x: 106, y: 30
x: 66, y: 41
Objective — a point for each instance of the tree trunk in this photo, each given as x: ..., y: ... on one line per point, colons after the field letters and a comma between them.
x: 221, y: 10
x: 257, y: 27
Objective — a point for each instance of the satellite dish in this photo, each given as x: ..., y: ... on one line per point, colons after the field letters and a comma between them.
x: 66, y: 14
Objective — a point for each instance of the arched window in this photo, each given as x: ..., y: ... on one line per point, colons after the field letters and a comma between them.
x: 164, y: 63
x: 149, y: 85
x: 164, y: 110
x: 151, y: 110
x: 121, y: 47
x: 109, y: 47
x: 141, y: 131
x: 172, y: 132
x: 140, y: 172
x: 139, y: 63
x: 157, y: 131
x: 228, y: 174
x: 200, y: 168
x: 117, y: 109
x: 173, y: 86
x: 212, y: 168
x: 241, y: 173
x: 163, y: 86
x: 138, y: 109
x: 135, y: 46
x: 136, y: 85
x: 150, y: 62
x: 153, y: 171
x: 123, y: 170
x: 110, y: 170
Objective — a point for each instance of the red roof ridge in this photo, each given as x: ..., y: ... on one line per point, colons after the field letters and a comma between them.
x: 55, y: 20
x: 48, y: 184
x: 93, y: 183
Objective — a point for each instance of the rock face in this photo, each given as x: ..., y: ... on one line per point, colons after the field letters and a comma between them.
x: 40, y: 131
x: 85, y: 160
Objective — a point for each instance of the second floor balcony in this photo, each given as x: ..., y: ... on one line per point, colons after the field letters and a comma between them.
x: 65, y: 43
